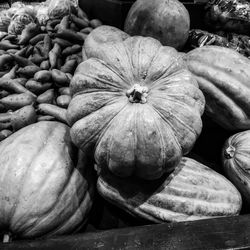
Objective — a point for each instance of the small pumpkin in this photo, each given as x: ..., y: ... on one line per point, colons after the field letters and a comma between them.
x: 45, y: 188
x: 192, y: 192
x: 236, y: 161
x: 223, y: 76
x: 137, y: 105
x: 165, y: 20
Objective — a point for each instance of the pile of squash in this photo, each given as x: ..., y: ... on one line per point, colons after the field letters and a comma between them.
x: 135, y: 115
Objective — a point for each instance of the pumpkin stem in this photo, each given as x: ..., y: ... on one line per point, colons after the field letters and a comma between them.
x: 6, y: 238
x: 137, y: 94
x: 229, y: 152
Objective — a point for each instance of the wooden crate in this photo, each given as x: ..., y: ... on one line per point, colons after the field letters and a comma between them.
x: 209, y: 234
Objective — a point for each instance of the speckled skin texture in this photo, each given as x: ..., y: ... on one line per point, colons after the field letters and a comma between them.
x: 44, y: 191
x: 166, y: 20
x: 223, y: 76
x: 135, y: 138
x: 192, y: 192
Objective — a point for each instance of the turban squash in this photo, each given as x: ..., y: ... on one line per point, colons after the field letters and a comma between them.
x: 136, y: 104
x: 44, y: 191
x: 191, y: 192
x: 223, y: 76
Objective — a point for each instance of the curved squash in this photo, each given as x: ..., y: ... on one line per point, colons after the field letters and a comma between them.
x: 236, y: 161
x: 223, y: 76
x: 43, y: 190
x: 138, y: 105
x: 193, y: 191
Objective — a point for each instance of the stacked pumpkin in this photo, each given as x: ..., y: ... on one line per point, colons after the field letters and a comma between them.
x: 137, y: 108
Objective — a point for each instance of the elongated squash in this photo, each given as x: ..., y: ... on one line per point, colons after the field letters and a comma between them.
x: 193, y: 191
x: 223, y: 76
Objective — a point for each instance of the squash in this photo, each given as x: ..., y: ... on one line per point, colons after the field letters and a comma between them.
x: 165, y: 20
x: 236, y: 161
x: 223, y: 76
x: 136, y: 106
x: 191, y: 192
x: 103, y: 34
x: 46, y: 189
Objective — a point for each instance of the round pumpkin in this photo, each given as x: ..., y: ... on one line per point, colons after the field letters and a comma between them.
x: 166, y: 20
x: 99, y: 36
x: 223, y: 76
x: 137, y: 106
x: 192, y: 191
x: 236, y: 161
x: 45, y: 188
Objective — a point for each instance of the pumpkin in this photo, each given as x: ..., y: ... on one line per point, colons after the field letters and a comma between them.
x: 99, y: 36
x: 45, y: 188
x: 166, y: 20
x: 223, y: 76
x: 236, y: 161
x: 192, y: 191
x: 137, y: 106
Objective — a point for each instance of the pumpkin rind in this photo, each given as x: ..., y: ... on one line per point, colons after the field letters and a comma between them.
x: 144, y: 137
x: 236, y: 161
x: 99, y: 36
x: 43, y: 191
x: 193, y: 191
x: 165, y: 20
x: 223, y: 76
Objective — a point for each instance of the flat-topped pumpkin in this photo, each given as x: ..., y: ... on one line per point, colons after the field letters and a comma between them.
x: 137, y: 105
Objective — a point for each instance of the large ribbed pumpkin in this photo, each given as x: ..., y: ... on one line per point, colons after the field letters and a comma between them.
x: 193, y: 191
x: 236, y: 161
x: 223, y: 76
x: 138, y: 105
x: 166, y: 20
x: 45, y: 189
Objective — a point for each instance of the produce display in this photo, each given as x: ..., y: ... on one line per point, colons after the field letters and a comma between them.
x: 228, y: 15
x: 94, y: 118
x: 240, y: 43
x: 38, y: 57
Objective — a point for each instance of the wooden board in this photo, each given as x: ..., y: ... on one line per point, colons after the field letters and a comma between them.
x: 216, y: 233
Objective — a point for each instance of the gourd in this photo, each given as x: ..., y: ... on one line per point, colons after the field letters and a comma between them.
x: 235, y: 160
x: 135, y: 104
x: 223, y: 76
x: 46, y: 188
x: 100, y: 35
x: 165, y: 20
x: 192, y: 191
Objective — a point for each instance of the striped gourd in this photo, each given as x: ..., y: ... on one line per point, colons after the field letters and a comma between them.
x: 193, y: 191
x: 223, y: 76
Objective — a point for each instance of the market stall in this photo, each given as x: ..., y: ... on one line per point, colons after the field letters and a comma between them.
x: 124, y: 124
